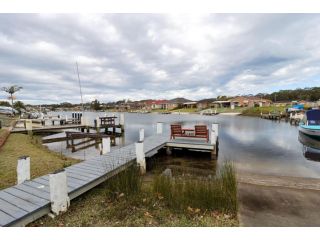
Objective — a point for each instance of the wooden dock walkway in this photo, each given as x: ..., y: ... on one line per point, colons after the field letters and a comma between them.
x: 26, y: 202
x: 49, y: 128
x: 30, y: 200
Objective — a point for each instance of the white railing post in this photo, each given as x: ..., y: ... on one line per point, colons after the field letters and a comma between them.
x: 106, y: 145
x: 98, y: 121
x: 141, y: 159
x: 59, y: 192
x: 214, y: 133
x: 28, y: 125
x: 141, y: 134
x: 23, y: 169
x: 159, y: 127
x: 121, y: 120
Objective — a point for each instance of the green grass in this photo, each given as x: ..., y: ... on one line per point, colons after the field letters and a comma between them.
x: 6, y: 120
x: 219, y: 193
x: 187, y: 110
x: 256, y: 111
x: 114, y: 203
x: 43, y: 161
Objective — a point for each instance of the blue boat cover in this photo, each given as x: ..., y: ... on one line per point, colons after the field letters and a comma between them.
x: 313, y: 117
x: 298, y: 106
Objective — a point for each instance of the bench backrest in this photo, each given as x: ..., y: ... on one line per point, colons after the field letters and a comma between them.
x: 201, y: 130
x: 176, y: 129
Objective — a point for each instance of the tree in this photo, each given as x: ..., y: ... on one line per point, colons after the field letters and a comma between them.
x: 11, y: 90
x: 95, y: 105
x: 5, y: 104
x: 19, y: 106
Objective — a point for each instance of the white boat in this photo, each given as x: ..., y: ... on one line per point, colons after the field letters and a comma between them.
x: 310, y: 125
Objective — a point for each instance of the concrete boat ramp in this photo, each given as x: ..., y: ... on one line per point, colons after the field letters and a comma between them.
x: 31, y: 199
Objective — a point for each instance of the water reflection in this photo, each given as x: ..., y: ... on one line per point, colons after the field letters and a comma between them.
x: 311, y: 147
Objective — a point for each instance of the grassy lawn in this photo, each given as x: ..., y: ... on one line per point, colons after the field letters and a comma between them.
x: 113, y: 203
x: 43, y: 161
x: 255, y: 111
x: 188, y: 110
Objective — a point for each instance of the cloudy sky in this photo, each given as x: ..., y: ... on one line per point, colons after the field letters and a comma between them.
x: 138, y: 56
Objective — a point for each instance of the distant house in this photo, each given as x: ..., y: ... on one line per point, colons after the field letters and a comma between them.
x: 190, y: 104
x: 242, y: 101
x: 205, y: 103
x: 156, y: 104
x: 176, y: 103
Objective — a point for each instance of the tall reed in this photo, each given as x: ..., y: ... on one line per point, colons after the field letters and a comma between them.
x: 219, y: 193
x: 128, y: 181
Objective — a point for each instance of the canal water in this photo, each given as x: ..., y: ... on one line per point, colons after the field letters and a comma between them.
x: 255, y: 145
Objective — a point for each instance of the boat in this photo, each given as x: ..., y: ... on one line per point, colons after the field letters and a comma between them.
x: 310, y: 125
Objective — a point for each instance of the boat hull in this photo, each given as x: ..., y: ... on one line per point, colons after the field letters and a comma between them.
x: 311, y: 132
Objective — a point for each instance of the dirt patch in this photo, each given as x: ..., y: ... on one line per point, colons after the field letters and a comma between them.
x: 277, y: 206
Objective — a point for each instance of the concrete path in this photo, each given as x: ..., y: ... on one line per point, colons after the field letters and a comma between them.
x: 278, y: 201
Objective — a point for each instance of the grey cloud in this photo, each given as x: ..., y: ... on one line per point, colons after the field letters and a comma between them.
x: 156, y: 56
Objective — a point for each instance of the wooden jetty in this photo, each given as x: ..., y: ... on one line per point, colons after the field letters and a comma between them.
x: 32, y: 199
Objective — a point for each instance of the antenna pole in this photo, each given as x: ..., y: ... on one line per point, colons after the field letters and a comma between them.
x: 80, y: 87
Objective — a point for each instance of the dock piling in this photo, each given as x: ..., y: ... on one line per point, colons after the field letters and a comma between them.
x: 141, y: 134
x: 121, y: 122
x: 28, y: 123
x: 159, y: 127
x: 59, y: 192
x: 23, y: 169
x: 140, y: 155
x: 106, y: 145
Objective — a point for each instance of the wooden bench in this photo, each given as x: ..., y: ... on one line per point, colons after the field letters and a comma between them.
x: 199, y: 131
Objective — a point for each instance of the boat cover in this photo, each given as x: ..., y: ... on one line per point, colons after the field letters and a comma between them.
x: 313, y: 117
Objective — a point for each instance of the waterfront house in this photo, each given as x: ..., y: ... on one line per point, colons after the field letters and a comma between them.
x: 205, y: 103
x: 176, y: 103
x: 249, y: 101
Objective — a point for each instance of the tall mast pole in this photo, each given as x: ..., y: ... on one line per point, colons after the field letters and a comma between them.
x: 80, y: 87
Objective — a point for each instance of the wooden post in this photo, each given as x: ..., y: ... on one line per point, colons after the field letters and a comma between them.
x: 215, y: 127
x: 141, y: 159
x: 23, y: 169
x: 59, y: 192
x: 121, y: 122
x: 159, y: 127
x: 141, y: 134
x: 106, y: 145
x: 28, y: 124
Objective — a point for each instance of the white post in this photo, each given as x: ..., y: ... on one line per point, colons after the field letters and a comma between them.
x: 214, y: 133
x: 66, y: 118
x: 121, y: 120
x: 215, y: 127
x: 232, y: 105
x: 28, y: 125
x: 82, y: 121
x: 23, y: 169
x: 159, y: 128
x: 141, y: 134
x: 58, y: 192
x: 106, y: 145
x: 141, y: 160
x: 98, y: 121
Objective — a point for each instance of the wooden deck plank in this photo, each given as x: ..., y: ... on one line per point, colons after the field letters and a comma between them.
x: 45, y: 181
x: 91, y: 167
x: 26, y: 196
x: 33, y: 191
x: 11, y: 210
x: 5, y: 218
x: 96, y: 172
x: 25, y: 205
x: 83, y: 179
x: 37, y: 185
x: 83, y: 173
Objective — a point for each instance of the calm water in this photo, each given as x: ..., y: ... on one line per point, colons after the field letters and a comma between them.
x: 254, y: 144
